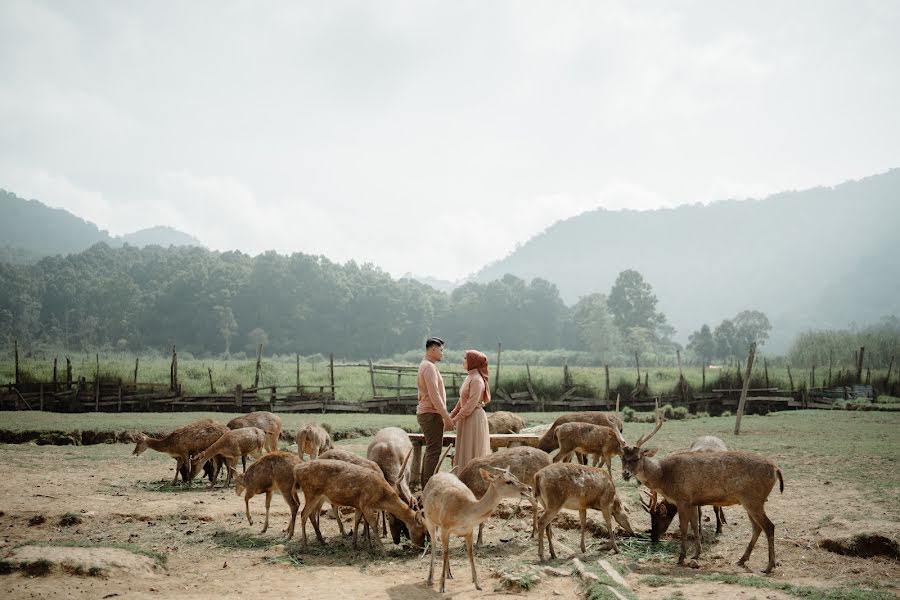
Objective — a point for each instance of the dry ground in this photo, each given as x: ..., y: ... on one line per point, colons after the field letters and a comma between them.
x: 211, y: 550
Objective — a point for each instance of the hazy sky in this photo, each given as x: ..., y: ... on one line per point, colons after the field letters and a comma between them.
x: 432, y: 137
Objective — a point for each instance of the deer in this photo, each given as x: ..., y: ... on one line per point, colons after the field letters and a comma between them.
x: 503, y: 421
x: 313, y: 440
x: 549, y: 442
x: 234, y: 443
x: 521, y: 461
x: 338, y: 454
x: 274, y: 471
x: 182, y: 443
x: 450, y: 506
x: 387, y: 449
x: 578, y: 487
x: 268, y: 422
x: 601, y: 441
x: 662, y: 511
x: 692, y: 479
x: 347, y: 484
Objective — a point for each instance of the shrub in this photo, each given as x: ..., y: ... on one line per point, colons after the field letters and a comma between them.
x: 725, y: 413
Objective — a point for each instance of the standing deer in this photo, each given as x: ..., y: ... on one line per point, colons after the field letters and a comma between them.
x: 268, y: 422
x: 183, y: 443
x: 601, y: 441
x: 338, y: 454
x: 578, y: 487
x: 451, y: 506
x: 693, y: 479
x: 234, y: 443
x: 312, y: 440
x: 548, y: 441
x: 388, y: 448
x: 662, y: 512
x: 274, y: 471
x: 503, y: 421
x: 521, y: 461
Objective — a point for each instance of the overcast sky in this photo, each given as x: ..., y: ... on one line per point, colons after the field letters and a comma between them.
x: 432, y: 137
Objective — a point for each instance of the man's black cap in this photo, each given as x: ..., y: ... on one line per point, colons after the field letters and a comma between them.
x: 433, y: 341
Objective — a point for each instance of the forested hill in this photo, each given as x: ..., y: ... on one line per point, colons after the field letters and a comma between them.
x: 30, y: 230
x: 821, y: 258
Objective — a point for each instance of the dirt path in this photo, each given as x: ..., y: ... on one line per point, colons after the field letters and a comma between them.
x: 204, y: 536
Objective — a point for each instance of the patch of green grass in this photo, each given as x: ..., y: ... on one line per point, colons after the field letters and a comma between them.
x: 517, y: 577
x: 167, y: 487
x: 675, y: 596
x: 638, y: 546
x: 659, y: 581
x: 803, y: 591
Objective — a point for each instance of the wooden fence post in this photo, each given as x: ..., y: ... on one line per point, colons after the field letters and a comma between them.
x: 136, y: 361
x: 16, y: 352
x: 212, y: 388
x: 703, y: 375
x: 272, y: 397
x: 606, y: 368
x: 42, y: 397
x: 68, y: 373
x: 790, y: 378
x: 740, y: 410
x: 497, y: 378
x: 859, y: 364
x: 812, y: 378
x: 258, y: 365
x: 333, y: 391
x: 766, y: 367
x: 298, y: 372
x: 120, y: 397
x: 637, y: 362
x: 372, y: 378
x: 97, y: 386
x: 830, y: 361
x: 238, y: 397
x: 682, y: 384
x: 55, y: 376
x: 173, y: 371
x: 887, y: 380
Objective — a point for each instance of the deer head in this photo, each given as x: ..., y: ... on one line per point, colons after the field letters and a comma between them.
x: 634, y: 455
x: 141, y: 446
x: 505, y: 482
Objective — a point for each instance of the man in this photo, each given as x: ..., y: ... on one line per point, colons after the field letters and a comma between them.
x: 432, y: 409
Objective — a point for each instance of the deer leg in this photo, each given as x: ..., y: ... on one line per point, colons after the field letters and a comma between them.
x: 607, y: 516
x: 720, y: 518
x: 317, y: 510
x: 304, y: 515
x: 695, y: 525
x: 445, y: 547
x: 756, y: 531
x: 582, y: 517
x: 562, y: 456
x: 337, y: 517
x: 247, y: 497
x: 178, y: 463
x: 243, y: 463
x: 372, y: 517
x: 471, y: 552
x: 683, y: 522
x: 431, y: 535
x: 762, y: 521
x: 544, y: 527
x: 268, y: 504
x: 480, y: 529
x: 295, y: 505
x: 383, y: 524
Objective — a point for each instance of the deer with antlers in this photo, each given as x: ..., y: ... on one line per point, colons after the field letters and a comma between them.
x: 692, y: 479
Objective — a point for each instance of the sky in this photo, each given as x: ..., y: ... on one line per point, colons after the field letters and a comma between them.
x: 433, y: 137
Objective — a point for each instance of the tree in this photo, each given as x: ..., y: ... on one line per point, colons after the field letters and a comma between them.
x: 751, y: 326
x: 226, y: 325
x: 725, y: 336
x: 594, y: 327
x: 702, y: 344
x: 633, y: 303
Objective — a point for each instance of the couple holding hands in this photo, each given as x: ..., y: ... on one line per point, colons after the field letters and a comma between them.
x: 468, y: 417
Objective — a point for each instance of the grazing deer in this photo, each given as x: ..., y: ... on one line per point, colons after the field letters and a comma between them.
x: 183, y: 443
x: 338, y: 454
x: 578, y: 487
x: 662, y: 512
x: 347, y: 484
x: 234, y: 443
x: 451, y: 506
x: 388, y: 448
x: 274, y: 471
x: 266, y: 421
x: 312, y: 440
x: 521, y: 461
x: 549, y: 442
x: 693, y: 479
x: 601, y: 441
x: 503, y: 421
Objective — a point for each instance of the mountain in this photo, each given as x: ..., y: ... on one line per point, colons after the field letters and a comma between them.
x: 442, y: 285
x: 820, y: 258
x: 30, y: 230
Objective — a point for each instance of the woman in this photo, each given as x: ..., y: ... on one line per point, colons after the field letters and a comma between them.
x: 472, y: 436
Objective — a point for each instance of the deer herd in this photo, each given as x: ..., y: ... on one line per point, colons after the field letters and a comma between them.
x: 377, y: 487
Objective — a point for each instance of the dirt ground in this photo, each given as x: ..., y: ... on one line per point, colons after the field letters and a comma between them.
x: 200, y: 532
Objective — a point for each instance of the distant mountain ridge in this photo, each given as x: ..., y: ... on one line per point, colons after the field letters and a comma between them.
x: 30, y: 229
x: 819, y: 258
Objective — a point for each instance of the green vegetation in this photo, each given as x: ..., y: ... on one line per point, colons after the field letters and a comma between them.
x: 803, y: 591
x: 241, y: 541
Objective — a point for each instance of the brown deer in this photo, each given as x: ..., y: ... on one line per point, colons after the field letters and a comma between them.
x: 183, y: 443
x: 347, y: 484
x: 601, y: 441
x: 274, y: 471
x: 693, y: 479
x: 521, y: 461
x: 662, y: 512
x: 338, y: 454
x: 451, y: 506
x: 578, y: 487
x: 234, y: 443
x: 388, y: 448
x: 268, y: 422
x: 312, y: 440
x: 503, y: 421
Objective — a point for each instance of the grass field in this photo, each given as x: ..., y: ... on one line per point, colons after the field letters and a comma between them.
x: 354, y: 383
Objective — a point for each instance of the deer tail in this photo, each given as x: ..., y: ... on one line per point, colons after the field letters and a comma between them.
x: 780, y: 480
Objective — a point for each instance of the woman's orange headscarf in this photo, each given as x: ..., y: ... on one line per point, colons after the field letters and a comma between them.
x: 478, y: 361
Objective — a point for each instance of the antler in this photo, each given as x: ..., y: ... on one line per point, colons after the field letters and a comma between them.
x: 441, y: 460
x: 659, y: 422
x: 618, y: 423
x: 402, y: 469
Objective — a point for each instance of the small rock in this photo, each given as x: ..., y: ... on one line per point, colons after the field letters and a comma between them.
x: 694, y: 564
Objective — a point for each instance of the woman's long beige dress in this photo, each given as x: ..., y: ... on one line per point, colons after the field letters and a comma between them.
x: 472, y: 436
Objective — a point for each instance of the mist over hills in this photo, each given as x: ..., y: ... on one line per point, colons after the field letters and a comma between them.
x: 30, y: 230
x: 818, y: 258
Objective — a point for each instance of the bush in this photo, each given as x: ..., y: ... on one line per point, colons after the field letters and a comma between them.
x: 725, y: 413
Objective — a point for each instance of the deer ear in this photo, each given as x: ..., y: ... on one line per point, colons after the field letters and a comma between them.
x: 485, y: 474
x: 649, y: 452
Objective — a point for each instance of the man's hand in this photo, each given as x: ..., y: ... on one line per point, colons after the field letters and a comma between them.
x: 448, y: 423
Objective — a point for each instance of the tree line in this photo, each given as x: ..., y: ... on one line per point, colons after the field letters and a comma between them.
x: 212, y: 303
